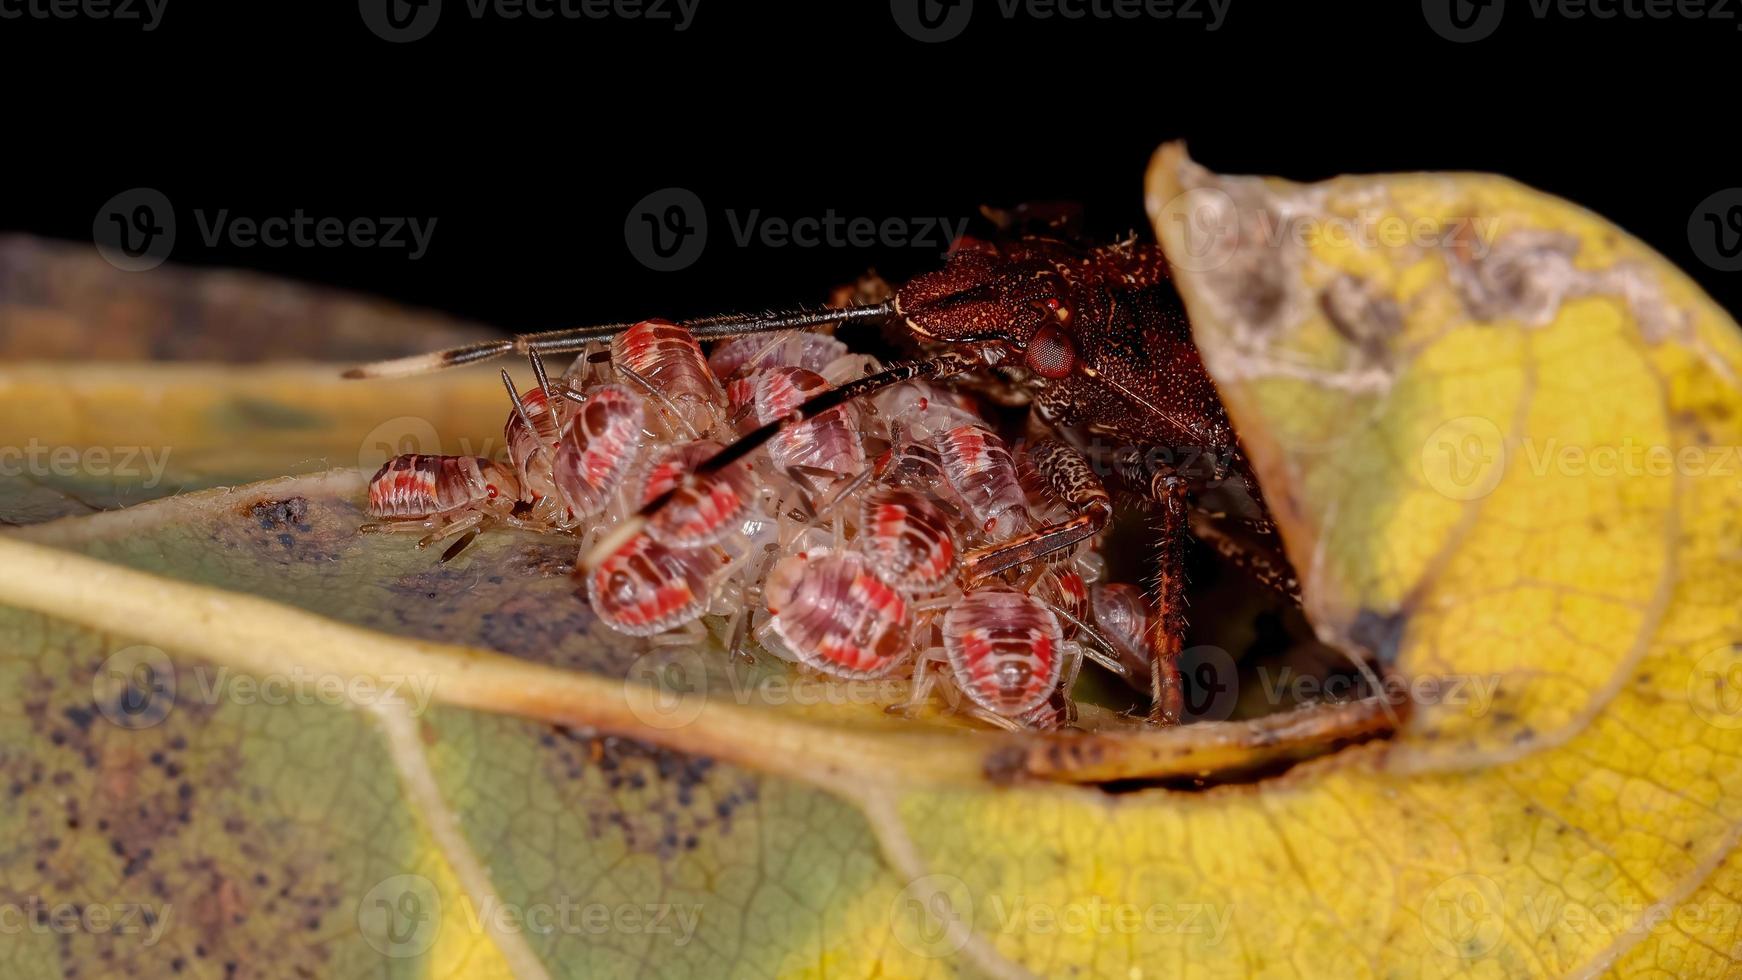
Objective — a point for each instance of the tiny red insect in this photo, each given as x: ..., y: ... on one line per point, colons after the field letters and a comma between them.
x: 704, y: 512
x: 787, y: 348
x: 1122, y: 614
x: 834, y: 614
x: 598, y: 448
x: 1005, y: 650
x: 665, y: 360
x: 1063, y: 588
x: 907, y: 540
x: 978, y: 464
x: 670, y: 465
x: 819, y: 451
x: 417, y: 486
x: 645, y: 588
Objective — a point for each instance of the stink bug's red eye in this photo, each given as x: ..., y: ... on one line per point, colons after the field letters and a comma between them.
x: 1050, y: 353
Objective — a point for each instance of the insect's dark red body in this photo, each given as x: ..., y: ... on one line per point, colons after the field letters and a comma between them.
x: 1097, y: 335
x: 1098, y: 341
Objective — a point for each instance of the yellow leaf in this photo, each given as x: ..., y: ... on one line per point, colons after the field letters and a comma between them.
x: 1500, y: 436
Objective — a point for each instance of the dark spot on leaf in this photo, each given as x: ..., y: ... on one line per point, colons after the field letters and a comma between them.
x: 1365, y: 317
x: 271, y: 514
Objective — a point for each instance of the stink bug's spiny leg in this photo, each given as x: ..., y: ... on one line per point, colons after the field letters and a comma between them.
x: 944, y: 365
x: 1167, y: 627
x: 1263, y: 564
x: 980, y: 565
x: 577, y: 338
x: 1076, y: 484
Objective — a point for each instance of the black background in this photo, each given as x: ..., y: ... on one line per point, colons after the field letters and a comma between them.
x: 529, y: 141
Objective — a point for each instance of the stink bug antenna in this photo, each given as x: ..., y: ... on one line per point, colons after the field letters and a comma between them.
x: 943, y: 365
x: 576, y: 338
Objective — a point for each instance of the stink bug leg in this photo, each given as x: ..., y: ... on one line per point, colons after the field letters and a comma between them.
x: 1073, y: 482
